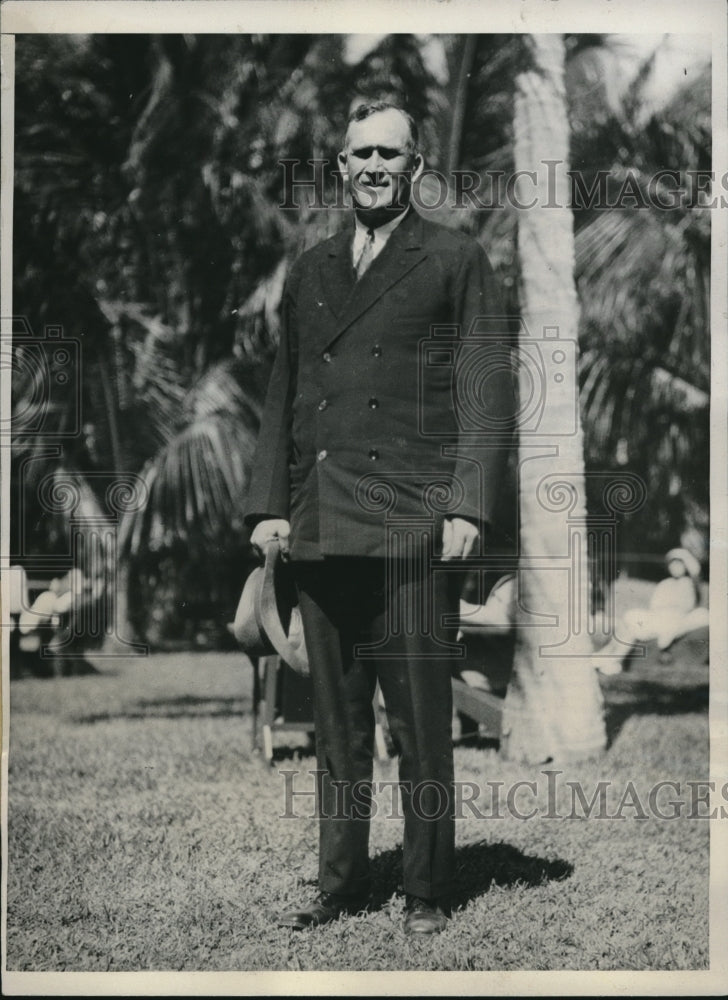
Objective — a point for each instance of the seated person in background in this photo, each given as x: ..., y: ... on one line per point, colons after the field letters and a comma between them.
x: 62, y: 595
x: 673, y: 612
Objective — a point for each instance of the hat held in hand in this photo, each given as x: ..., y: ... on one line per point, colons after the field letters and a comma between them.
x: 268, y: 620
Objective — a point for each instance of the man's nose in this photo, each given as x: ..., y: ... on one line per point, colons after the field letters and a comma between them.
x: 375, y: 163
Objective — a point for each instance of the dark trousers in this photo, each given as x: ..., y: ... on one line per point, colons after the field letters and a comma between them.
x: 397, y: 610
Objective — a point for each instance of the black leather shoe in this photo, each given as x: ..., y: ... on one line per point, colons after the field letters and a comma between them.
x: 424, y: 916
x: 326, y: 907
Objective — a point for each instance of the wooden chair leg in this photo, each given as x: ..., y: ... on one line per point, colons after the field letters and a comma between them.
x: 254, y: 737
x: 270, y: 667
x: 265, y: 682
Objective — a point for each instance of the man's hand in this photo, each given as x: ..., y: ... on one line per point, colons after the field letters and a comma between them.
x: 274, y: 529
x: 458, y: 538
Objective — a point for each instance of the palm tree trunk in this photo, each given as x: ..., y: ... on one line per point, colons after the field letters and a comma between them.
x: 121, y: 635
x: 553, y: 708
x: 466, y: 58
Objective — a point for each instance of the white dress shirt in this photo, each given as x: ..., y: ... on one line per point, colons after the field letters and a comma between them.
x: 381, y: 235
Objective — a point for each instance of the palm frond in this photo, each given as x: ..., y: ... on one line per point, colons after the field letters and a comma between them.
x: 676, y: 393
x: 196, y: 489
x: 218, y: 390
x: 259, y: 328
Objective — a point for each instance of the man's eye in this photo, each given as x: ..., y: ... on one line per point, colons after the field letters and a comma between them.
x: 386, y: 152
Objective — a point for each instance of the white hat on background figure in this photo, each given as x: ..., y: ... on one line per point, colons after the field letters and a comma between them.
x: 688, y: 560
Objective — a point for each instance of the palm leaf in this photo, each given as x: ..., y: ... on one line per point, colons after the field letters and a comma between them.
x: 196, y: 488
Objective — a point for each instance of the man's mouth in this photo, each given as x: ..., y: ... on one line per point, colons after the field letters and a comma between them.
x: 374, y: 180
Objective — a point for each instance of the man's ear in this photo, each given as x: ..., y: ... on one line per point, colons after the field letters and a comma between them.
x: 418, y: 166
x: 343, y: 165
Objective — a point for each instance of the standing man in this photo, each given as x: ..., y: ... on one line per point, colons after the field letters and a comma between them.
x: 383, y: 440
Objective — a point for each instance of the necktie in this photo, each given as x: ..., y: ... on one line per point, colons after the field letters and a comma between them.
x: 366, y: 256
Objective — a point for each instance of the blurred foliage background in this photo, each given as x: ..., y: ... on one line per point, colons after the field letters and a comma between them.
x: 147, y: 225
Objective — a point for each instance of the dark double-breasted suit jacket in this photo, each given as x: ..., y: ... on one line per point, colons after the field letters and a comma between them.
x: 390, y: 406
x: 391, y: 397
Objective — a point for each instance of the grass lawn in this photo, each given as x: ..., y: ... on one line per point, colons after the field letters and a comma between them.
x: 145, y: 835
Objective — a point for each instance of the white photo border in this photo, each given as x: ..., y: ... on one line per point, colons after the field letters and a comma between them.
x: 342, y: 16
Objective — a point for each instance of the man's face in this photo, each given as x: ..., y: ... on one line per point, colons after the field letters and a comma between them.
x: 378, y: 163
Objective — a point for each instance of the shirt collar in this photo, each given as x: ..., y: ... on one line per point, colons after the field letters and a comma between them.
x: 381, y: 232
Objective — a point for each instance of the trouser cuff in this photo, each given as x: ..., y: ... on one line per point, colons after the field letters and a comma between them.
x: 429, y: 890
x: 356, y: 889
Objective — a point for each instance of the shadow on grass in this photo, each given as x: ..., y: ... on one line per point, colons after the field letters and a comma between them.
x: 644, y: 688
x: 626, y: 696
x: 186, y: 706
x: 34, y: 665
x: 478, y: 867
x: 295, y: 751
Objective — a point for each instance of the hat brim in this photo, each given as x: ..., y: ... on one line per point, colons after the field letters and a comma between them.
x: 273, y: 607
x: 246, y: 627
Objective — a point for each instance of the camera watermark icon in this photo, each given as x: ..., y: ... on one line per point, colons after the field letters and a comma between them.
x: 46, y: 381
x: 496, y: 381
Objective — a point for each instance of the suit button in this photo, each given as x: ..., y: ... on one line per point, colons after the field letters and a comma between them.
x: 326, y: 356
x: 373, y: 454
x: 376, y: 351
x: 321, y: 455
x: 323, y: 404
x: 373, y: 403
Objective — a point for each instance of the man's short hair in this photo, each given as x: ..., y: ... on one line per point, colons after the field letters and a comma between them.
x: 367, y: 108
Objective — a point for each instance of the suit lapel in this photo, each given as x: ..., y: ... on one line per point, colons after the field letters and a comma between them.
x: 404, y: 250
x: 336, y: 271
